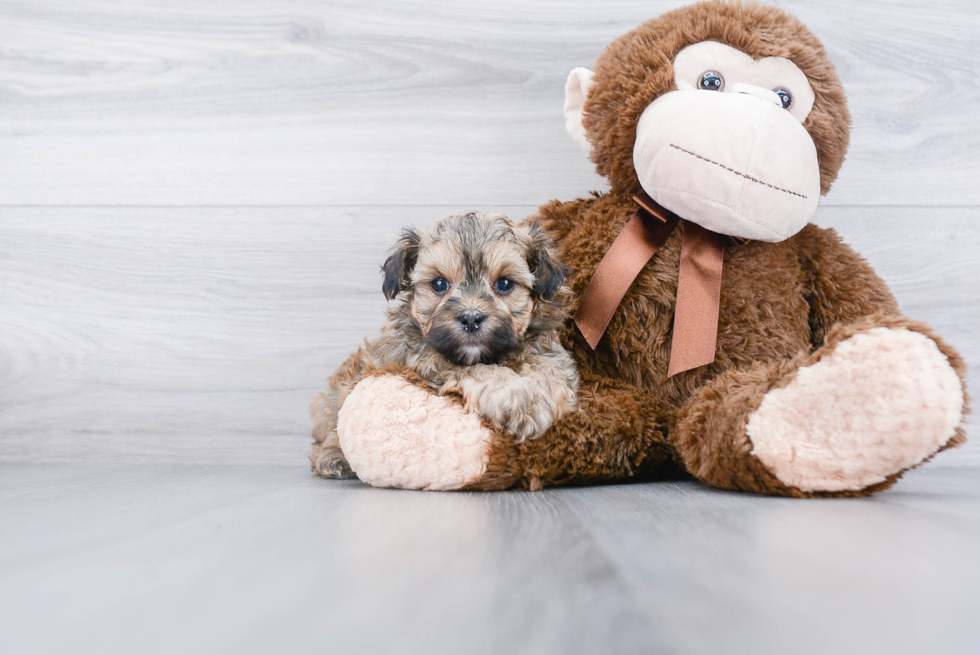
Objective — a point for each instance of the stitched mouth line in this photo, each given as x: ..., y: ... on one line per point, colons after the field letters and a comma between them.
x: 732, y: 170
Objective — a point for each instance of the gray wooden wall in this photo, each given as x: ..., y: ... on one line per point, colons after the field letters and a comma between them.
x: 195, y: 196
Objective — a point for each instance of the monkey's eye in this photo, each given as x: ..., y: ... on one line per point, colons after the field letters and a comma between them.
x: 440, y: 285
x: 503, y: 286
x: 711, y: 81
x: 785, y: 96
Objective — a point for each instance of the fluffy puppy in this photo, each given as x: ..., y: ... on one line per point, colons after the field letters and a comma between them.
x: 478, y: 303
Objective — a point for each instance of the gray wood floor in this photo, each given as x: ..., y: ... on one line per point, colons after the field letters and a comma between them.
x: 265, y: 559
x: 194, y: 201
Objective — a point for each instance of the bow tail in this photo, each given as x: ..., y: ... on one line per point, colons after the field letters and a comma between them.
x: 698, y: 299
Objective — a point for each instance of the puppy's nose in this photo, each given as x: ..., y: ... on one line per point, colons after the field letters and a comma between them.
x: 471, y: 320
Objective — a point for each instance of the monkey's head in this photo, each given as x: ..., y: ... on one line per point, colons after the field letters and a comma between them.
x: 729, y: 115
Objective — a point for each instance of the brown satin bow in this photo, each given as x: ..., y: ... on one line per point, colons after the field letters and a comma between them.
x: 698, y: 283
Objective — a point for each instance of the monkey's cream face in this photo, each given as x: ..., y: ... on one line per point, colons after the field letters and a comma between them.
x: 728, y: 149
x: 472, y: 290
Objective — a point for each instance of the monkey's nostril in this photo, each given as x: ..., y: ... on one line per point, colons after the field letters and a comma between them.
x: 471, y: 320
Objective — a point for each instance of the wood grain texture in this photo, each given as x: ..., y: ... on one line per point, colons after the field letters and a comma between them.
x: 205, y: 559
x: 202, y: 334
x: 340, y: 103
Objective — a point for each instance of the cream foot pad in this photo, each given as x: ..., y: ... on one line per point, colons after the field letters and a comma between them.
x: 880, y: 403
x: 395, y: 434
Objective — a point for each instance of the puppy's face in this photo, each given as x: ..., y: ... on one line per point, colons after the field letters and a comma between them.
x: 474, y: 281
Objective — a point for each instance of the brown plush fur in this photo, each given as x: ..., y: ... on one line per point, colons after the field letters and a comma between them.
x: 783, y: 305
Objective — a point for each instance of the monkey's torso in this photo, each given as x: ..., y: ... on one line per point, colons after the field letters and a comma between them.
x: 764, y: 312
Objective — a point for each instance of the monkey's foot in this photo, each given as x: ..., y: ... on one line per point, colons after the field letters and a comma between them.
x: 396, y: 434
x: 878, y: 403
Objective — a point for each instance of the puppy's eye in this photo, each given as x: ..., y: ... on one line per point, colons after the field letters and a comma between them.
x: 785, y: 96
x: 711, y: 81
x: 503, y: 286
x: 440, y: 285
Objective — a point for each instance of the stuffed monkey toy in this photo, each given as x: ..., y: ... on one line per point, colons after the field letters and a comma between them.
x: 715, y: 329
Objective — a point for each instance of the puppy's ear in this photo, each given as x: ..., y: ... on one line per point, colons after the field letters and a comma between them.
x: 400, y: 262
x: 549, y: 273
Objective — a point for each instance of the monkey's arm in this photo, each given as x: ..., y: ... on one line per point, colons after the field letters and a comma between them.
x: 841, y: 286
x: 614, y: 434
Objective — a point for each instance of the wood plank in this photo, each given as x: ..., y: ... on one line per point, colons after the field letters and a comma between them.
x: 202, y: 334
x: 96, y: 558
x: 303, y: 102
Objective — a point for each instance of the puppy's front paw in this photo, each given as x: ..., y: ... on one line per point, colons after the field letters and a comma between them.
x: 517, y: 407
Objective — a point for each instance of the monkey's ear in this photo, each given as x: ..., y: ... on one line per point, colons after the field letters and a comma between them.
x: 398, y: 267
x: 576, y: 89
x: 549, y: 273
